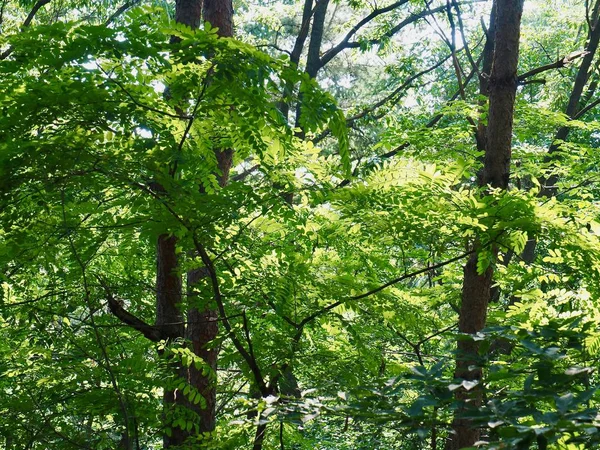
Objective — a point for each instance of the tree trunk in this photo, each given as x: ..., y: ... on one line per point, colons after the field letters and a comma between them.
x: 219, y: 13
x: 203, y: 321
x: 288, y: 89
x: 202, y: 329
x: 313, y: 60
x: 169, y: 319
x: 496, y: 172
x: 575, y: 99
x: 188, y: 12
x: 202, y: 326
x: 484, y: 84
x: 168, y: 288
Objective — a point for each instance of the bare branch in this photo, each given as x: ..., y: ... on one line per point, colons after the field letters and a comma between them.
x: 474, y: 64
x: 150, y: 332
x: 587, y: 109
x: 558, y: 64
x: 245, y: 173
x: 122, y: 9
x: 34, y: 11
x: 388, y: 98
x: 414, y: 17
x: 383, y: 286
x: 107, y: 364
x: 329, y: 54
x: 26, y: 23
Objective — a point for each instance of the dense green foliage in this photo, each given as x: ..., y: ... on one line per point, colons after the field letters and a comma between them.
x: 345, y: 297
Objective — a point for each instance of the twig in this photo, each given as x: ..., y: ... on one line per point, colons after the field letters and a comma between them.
x: 558, y: 64
x: 123, y: 8
x: 86, y: 287
x: 26, y: 23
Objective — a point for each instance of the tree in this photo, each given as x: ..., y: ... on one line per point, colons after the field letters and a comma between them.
x: 200, y: 250
x: 496, y: 173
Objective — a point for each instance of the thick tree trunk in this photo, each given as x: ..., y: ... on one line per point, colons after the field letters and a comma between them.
x: 202, y: 329
x: 202, y: 326
x: 188, y: 12
x: 203, y: 319
x: 169, y: 319
x: 496, y: 172
x: 219, y: 13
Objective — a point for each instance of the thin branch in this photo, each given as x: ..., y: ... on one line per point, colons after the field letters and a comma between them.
x: 414, y: 17
x: 26, y: 23
x: 474, y: 64
x: 191, y: 118
x: 404, y: 145
x: 33, y: 300
x: 242, y: 176
x: 246, y: 355
x: 407, y: 83
x: 385, y: 286
x: 276, y: 47
x: 88, y: 301
x: 587, y: 109
x: 329, y: 54
x: 247, y: 334
x: 228, y: 399
x: 4, y: 3
x: 122, y: 9
x: 137, y: 103
x: 558, y: 64
x: 300, y: 327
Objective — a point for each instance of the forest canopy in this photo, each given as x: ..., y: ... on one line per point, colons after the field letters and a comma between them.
x: 299, y: 224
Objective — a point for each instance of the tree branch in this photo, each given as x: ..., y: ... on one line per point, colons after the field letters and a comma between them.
x: 586, y: 109
x: 382, y: 287
x: 329, y: 54
x: 414, y: 17
x: 26, y: 23
x: 150, y: 332
x: 34, y: 11
x: 248, y: 357
x: 123, y: 8
x: 558, y: 64
x: 350, y: 120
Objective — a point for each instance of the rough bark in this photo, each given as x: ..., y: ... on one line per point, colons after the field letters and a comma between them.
x: 202, y: 322
x: 484, y: 74
x: 202, y: 330
x: 496, y: 172
x: 188, y: 12
x: 169, y: 319
x: 503, y: 87
x: 219, y: 13
x: 313, y: 63
x: 202, y: 319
